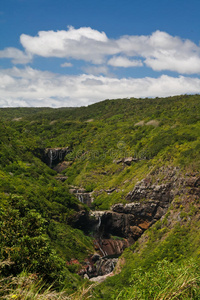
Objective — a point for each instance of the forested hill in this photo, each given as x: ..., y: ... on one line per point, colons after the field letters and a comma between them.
x: 118, y: 151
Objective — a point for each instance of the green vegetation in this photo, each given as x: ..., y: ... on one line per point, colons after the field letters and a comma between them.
x: 164, y: 266
x: 36, y: 236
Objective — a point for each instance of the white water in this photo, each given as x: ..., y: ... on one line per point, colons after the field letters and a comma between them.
x: 51, y: 157
x: 99, y: 224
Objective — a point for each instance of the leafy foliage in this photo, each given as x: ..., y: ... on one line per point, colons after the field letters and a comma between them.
x: 35, y: 208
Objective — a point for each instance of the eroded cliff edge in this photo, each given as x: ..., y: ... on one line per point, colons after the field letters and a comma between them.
x: 123, y: 224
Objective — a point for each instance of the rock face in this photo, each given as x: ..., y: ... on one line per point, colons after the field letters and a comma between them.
x: 122, y: 225
x: 62, y: 166
x: 131, y: 220
x: 53, y: 156
x: 126, y: 160
x: 162, y: 193
x: 97, y: 266
x: 83, y: 196
x: 149, y: 201
x: 110, y: 247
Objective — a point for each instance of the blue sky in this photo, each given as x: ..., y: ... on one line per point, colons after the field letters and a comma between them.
x: 73, y: 53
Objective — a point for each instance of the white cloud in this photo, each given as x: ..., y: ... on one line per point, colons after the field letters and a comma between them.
x: 17, y: 56
x: 162, y: 51
x: 159, y: 50
x: 83, y: 43
x: 120, y: 61
x: 66, y: 65
x: 96, y: 70
x: 29, y: 87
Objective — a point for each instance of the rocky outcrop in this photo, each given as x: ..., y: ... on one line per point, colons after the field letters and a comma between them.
x: 53, y: 156
x: 102, y: 278
x: 126, y: 160
x: 161, y: 185
x: 96, y: 266
x: 62, y: 166
x: 123, y: 224
x: 110, y: 247
x: 131, y: 220
x: 61, y: 178
x: 144, y: 190
x: 83, y: 196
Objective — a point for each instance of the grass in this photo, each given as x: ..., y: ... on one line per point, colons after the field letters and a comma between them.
x: 165, y: 282
x: 29, y: 287
x: 161, y: 133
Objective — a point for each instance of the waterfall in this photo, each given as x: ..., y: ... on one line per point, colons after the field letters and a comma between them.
x: 51, y: 157
x: 104, y: 253
x: 80, y: 197
x: 99, y: 224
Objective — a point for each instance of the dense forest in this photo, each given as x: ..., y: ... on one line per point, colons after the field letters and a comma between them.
x: 119, y: 151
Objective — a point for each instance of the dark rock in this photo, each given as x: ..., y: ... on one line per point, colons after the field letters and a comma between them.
x: 119, y: 208
x: 95, y: 257
x: 53, y: 156
x: 142, y: 209
x: 81, y: 221
x: 160, y: 212
x: 129, y: 221
x: 154, y: 192
x: 110, y: 190
x: 105, y: 266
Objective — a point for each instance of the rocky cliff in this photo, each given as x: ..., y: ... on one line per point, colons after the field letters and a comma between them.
x: 53, y: 156
x: 123, y: 224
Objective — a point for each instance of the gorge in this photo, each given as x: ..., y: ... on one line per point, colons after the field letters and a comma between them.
x: 115, y: 198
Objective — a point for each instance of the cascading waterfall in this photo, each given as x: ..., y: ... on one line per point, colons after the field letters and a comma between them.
x: 80, y: 197
x: 97, y: 229
x: 99, y: 224
x: 51, y: 157
x: 103, y: 252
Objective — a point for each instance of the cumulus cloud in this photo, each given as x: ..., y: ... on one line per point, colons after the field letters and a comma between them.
x: 66, y: 65
x: 96, y: 70
x: 29, y: 87
x: 17, y: 56
x: 120, y: 61
x: 84, y: 43
x: 160, y: 51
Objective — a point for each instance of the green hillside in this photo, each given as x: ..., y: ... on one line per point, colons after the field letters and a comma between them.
x: 115, y: 146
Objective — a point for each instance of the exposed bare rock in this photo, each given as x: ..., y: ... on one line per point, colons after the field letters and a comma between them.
x: 62, y: 166
x: 83, y: 196
x: 123, y: 224
x: 100, y: 279
x: 111, y: 247
x: 53, y: 156
x: 110, y: 190
x: 155, y: 192
x: 128, y: 160
x: 61, y: 178
x: 119, y: 208
x: 136, y: 231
